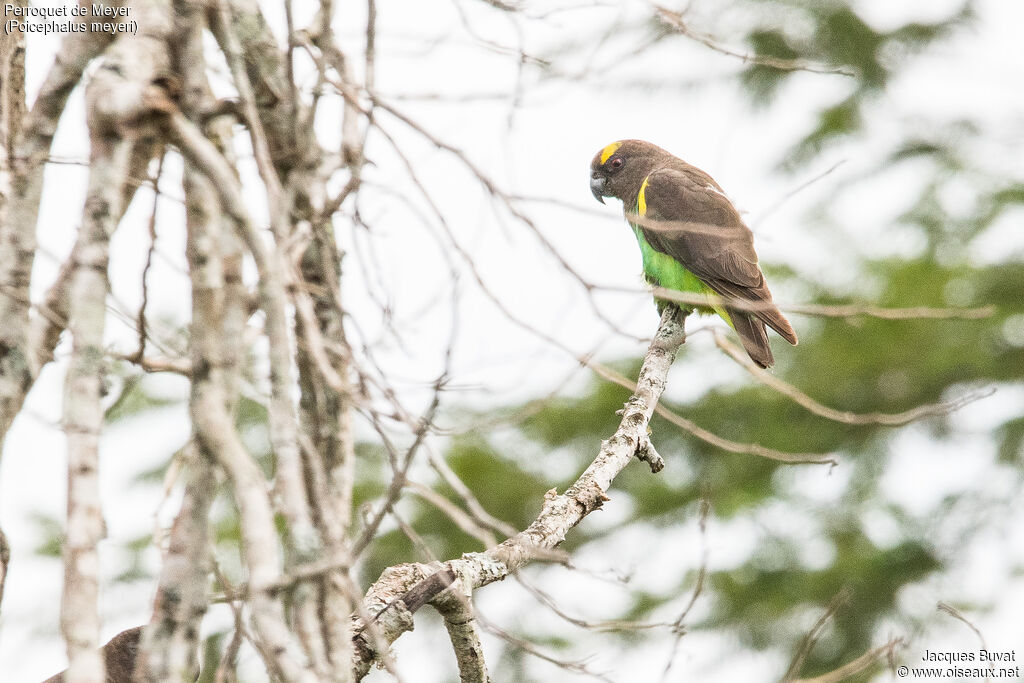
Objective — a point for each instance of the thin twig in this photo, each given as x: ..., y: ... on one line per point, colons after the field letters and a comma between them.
x: 674, y: 20
x: 461, y: 519
x: 714, y: 439
x: 824, y: 310
x: 576, y: 667
x: 958, y: 615
x: 466, y: 495
x: 678, y: 627
x: 398, y: 477
x: 857, y: 665
x: 260, y: 145
x: 765, y: 213
x: 807, y: 644
x: 845, y: 416
x: 141, y: 318
x: 607, y: 625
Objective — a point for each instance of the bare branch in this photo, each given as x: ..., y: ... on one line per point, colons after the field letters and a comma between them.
x: 714, y: 439
x: 214, y: 428
x: 461, y: 519
x: 177, y: 366
x: 745, y: 448
x: 466, y: 495
x: 398, y: 477
x: 807, y: 644
x: 958, y: 615
x: 462, y: 628
x: 489, y: 184
x: 765, y: 213
x: 911, y: 313
x: 610, y: 625
x: 283, y: 421
x: 227, y: 659
x: 216, y: 433
x: 678, y: 626
x: 140, y: 320
x: 170, y: 642
x: 325, y: 406
x: 25, y: 147
x: 572, y: 666
x: 844, y: 416
x: 266, y: 70
x: 825, y: 310
x: 83, y: 415
x: 857, y: 665
x: 44, y: 329
x: 674, y: 20
x: 17, y: 239
x: 261, y: 148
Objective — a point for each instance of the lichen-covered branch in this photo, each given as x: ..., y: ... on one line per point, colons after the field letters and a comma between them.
x: 216, y: 434
x: 325, y: 411
x: 26, y: 140
x: 169, y: 644
x: 83, y: 411
x: 387, y: 598
x: 464, y: 633
x: 119, y: 139
x: 267, y: 73
x: 15, y: 373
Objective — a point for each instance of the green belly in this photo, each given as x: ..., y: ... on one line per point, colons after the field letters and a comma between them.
x: 661, y: 270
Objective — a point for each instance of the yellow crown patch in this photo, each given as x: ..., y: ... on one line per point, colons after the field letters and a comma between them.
x: 609, y: 150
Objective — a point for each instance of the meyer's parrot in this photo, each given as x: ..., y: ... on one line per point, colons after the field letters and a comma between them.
x: 691, y: 237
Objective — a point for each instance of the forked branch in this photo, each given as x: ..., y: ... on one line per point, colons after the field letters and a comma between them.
x: 389, y: 598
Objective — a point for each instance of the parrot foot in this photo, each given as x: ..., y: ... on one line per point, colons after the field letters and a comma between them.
x: 645, y: 451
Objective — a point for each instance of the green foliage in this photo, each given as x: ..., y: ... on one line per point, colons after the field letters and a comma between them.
x: 1011, y: 442
x: 212, y: 647
x: 761, y: 80
x: 51, y: 531
x: 135, y: 567
x: 134, y: 398
x: 832, y: 36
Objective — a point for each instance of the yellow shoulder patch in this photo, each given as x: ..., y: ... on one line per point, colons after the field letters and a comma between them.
x: 609, y: 150
x: 641, y: 198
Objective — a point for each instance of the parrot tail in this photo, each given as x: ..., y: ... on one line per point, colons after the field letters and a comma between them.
x: 754, y: 336
x: 778, y: 322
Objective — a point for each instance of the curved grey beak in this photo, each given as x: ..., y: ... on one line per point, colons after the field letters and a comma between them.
x: 597, y: 187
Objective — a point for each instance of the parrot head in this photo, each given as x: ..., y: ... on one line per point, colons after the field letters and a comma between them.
x: 619, y: 169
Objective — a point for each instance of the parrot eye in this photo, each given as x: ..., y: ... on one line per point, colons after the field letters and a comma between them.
x: 616, y: 163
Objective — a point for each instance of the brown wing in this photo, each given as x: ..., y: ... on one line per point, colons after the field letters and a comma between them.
x: 690, y: 219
